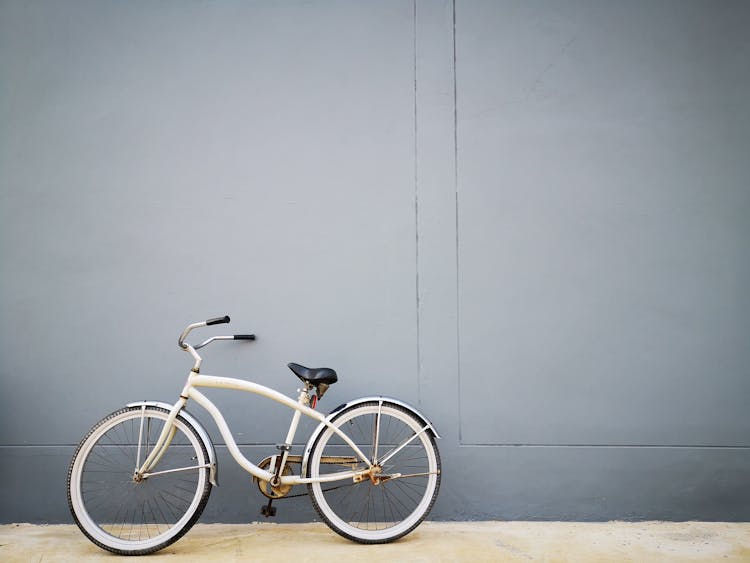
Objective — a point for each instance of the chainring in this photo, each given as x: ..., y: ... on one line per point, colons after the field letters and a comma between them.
x: 265, y: 487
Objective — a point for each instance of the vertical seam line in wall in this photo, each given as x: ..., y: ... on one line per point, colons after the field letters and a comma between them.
x: 416, y: 210
x: 455, y: 183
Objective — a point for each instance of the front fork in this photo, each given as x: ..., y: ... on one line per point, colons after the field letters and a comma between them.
x: 163, y: 442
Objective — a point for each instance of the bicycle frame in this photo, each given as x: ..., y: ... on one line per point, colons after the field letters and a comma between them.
x: 300, y: 407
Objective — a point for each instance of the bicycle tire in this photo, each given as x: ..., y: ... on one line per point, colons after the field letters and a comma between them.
x: 353, y: 510
x: 152, y: 514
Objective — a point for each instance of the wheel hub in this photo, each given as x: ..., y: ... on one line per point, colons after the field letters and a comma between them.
x: 373, y: 474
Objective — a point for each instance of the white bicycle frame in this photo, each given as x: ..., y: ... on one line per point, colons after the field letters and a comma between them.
x: 299, y: 406
x: 190, y: 391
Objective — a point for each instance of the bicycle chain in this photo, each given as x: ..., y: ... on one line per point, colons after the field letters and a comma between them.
x: 307, y: 494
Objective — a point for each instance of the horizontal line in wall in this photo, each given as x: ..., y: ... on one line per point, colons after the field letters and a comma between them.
x: 463, y: 445
x: 682, y: 446
x: 76, y: 445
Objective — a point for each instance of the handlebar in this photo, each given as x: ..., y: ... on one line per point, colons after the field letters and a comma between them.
x: 215, y: 321
x: 192, y: 349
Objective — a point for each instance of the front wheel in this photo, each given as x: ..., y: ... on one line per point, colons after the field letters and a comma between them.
x: 136, y: 516
x: 401, y: 489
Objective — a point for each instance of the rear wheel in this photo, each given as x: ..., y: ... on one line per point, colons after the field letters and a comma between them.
x: 397, y: 495
x: 131, y: 516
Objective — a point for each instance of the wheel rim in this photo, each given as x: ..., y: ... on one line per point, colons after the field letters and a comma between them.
x: 393, y: 507
x: 120, y: 513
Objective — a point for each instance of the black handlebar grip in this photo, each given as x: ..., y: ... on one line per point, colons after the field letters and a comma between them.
x: 244, y: 337
x: 218, y: 320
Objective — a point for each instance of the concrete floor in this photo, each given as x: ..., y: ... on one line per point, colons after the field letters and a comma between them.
x: 432, y: 541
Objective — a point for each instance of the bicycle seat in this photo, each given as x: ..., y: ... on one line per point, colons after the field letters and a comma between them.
x: 314, y: 376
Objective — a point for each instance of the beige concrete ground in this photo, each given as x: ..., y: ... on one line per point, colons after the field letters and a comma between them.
x: 432, y: 541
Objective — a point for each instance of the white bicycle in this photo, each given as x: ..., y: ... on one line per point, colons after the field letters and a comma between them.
x: 141, y: 477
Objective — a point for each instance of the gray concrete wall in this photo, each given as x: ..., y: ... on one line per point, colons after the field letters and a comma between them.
x: 531, y: 219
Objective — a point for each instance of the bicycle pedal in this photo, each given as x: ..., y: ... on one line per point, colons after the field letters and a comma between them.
x: 267, y: 510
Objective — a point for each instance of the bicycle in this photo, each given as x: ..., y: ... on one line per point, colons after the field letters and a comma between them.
x: 141, y: 477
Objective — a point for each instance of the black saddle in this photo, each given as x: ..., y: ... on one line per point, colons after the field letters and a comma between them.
x: 314, y: 376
